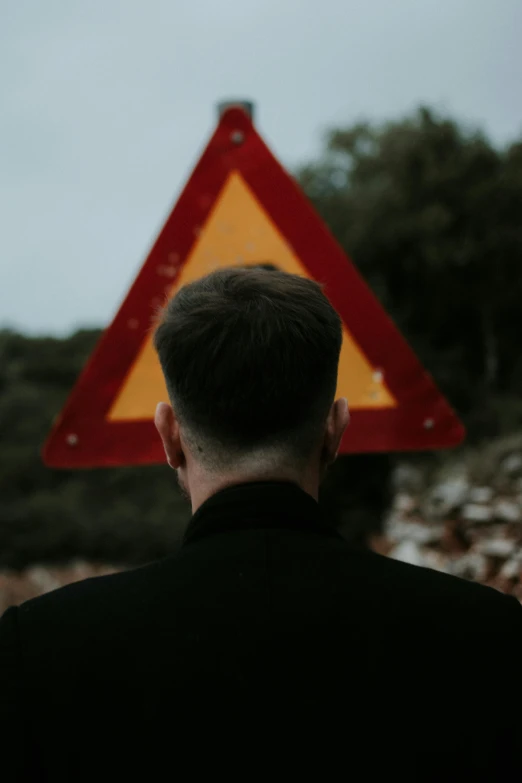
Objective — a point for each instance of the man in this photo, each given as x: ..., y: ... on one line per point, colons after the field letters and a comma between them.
x: 265, y: 647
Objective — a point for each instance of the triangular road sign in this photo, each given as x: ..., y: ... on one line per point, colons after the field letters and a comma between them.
x: 241, y: 207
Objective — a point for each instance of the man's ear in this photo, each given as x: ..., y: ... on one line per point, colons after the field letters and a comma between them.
x: 336, y: 424
x: 168, y: 428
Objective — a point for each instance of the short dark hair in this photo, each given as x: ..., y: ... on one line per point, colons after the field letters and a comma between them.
x: 250, y: 359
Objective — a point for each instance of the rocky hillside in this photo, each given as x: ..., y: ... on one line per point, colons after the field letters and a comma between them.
x: 464, y: 518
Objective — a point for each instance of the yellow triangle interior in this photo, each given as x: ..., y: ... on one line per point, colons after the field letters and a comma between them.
x: 239, y: 231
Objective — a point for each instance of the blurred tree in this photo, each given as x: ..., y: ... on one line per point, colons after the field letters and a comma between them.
x: 430, y: 214
x: 122, y: 516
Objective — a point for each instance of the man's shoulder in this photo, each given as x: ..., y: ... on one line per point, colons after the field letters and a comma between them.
x: 438, y: 590
x: 400, y: 574
x: 411, y: 588
x: 93, y: 597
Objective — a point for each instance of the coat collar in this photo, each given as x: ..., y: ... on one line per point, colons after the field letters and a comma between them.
x: 260, y: 505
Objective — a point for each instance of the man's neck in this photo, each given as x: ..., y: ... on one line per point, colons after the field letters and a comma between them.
x: 202, y: 485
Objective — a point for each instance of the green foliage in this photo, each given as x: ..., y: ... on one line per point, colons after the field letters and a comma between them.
x: 430, y: 214
x: 128, y: 515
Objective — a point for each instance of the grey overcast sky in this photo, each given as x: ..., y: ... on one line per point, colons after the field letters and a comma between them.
x: 106, y: 104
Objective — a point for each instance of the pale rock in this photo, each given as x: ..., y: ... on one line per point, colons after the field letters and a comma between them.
x: 448, y: 496
x: 512, y: 465
x: 436, y: 560
x: 507, y: 510
x: 407, y: 478
x: 471, y: 565
x: 498, y: 547
x: 472, y: 512
x: 43, y: 579
x: 408, y: 552
x: 80, y: 570
x: 421, y: 532
x: 480, y: 495
x: 404, y: 503
x: 511, y: 568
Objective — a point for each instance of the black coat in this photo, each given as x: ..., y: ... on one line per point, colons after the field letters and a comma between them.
x: 265, y: 647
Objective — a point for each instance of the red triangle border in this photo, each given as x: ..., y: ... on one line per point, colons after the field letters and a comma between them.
x: 83, y: 437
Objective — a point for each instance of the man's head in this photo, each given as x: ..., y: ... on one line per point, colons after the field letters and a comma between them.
x: 250, y: 359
